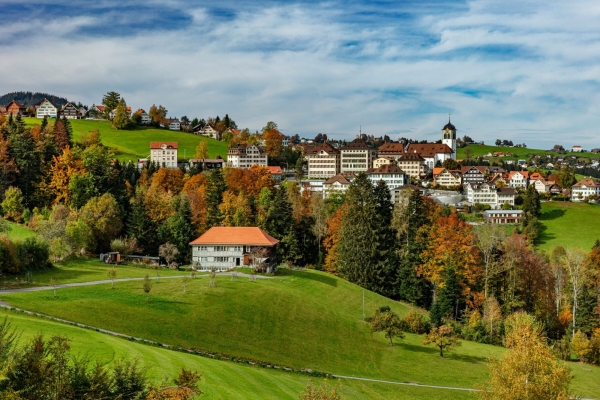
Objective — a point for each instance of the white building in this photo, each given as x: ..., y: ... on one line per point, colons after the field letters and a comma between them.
x: 577, y: 149
x: 112, y: 114
x: 207, y: 130
x: 247, y: 155
x: 584, y: 188
x: 164, y: 154
x: 447, y: 178
x: 486, y: 193
x: 518, y: 179
x: 391, y: 174
x: 174, y: 125
x: 145, y: 117
x: 339, y: 183
x: 223, y: 248
x: 449, y: 137
x: 46, y: 110
x: 323, y: 161
x: 431, y: 152
x: 357, y: 157
x: 413, y: 164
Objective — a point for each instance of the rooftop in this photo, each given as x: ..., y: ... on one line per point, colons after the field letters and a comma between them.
x: 158, y: 145
x: 235, y: 235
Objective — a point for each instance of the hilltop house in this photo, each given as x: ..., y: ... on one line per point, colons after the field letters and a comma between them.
x: 146, y: 120
x: 164, y: 154
x: 584, y: 188
x: 69, y: 111
x: 15, y: 108
x: 174, y: 124
x: 222, y: 248
x: 46, y: 110
x: 576, y: 149
x: 207, y: 130
x: 518, y: 179
x: 112, y: 114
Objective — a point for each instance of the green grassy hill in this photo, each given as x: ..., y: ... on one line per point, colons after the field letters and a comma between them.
x: 18, y: 231
x: 569, y: 225
x: 520, y: 153
x: 301, y: 319
x: 134, y: 144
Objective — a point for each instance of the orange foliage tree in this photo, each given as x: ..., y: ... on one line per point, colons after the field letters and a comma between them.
x: 235, y: 210
x: 195, y: 189
x: 452, y: 245
x: 332, y: 238
x: 62, y: 169
x: 248, y: 181
x: 273, y: 143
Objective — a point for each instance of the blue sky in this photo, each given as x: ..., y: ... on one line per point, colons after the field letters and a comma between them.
x: 528, y: 71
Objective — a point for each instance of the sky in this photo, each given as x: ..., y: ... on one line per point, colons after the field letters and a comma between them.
x: 526, y: 71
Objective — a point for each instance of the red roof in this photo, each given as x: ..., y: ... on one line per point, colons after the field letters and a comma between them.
x: 429, y: 149
x: 158, y: 145
x: 235, y: 235
x: 275, y: 170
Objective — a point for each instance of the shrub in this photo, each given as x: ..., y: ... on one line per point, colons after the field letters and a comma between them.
x: 33, y: 254
x: 9, y: 263
x: 416, y: 323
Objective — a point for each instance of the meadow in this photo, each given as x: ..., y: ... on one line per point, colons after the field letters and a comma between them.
x: 133, y: 144
x: 18, y: 232
x: 520, y: 152
x: 569, y: 225
x: 301, y: 319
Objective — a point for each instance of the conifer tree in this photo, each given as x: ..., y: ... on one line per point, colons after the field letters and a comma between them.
x: 110, y: 100
x: 531, y: 205
x: 61, y: 134
x: 383, y: 275
x: 44, y: 124
x: 214, y: 196
x: 139, y: 225
x: 180, y: 229
x: 27, y: 159
x: 587, y: 318
x: 447, y: 301
x: 279, y: 217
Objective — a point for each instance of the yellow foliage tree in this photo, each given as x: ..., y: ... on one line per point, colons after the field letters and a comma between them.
x: 528, y: 370
x: 443, y: 338
x: 201, y: 150
x: 62, y: 169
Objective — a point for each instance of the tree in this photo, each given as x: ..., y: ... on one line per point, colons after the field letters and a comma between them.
x: 489, y: 238
x: 447, y: 300
x: 298, y: 168
x: 185, y: 280
x: 451, y: 164
x: 492, y: 314
x: 179, y: 229
x: 62, y: 138
x: 468, y: 153
x: 124, y: 246
x: 103, y: 217
x: 566, y: 177
x: 528, y: 370
x: 273, y: 143
x: 12, y: 205
x: 531, y: 204
x: 147, y: 286
x: 580, y: 344
x: 111, y: 101
x: 215, y: 187
x: 498, y: 142
x: 575, y: 263
x: 168, y: 251
x: 201, y: 150
x: 270, y: 126
x: 121, y: 119
x: 157, y: 113
x: 112, y: 274
x: 319, y: 226
x: 8, y: 167
x: 322, y: 392
x: 443, y: 338
x: 388, y: 322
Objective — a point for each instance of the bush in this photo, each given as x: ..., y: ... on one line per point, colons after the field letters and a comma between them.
x: 9, y: 263
x: 416, y: 323
x: 33, y: 254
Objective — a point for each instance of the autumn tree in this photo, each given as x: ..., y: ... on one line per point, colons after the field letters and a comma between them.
x: 492, y: 315
x: 273, y: 143
x: 332, y: 239
x: 121, y: 119
x: 168, y: 251
x: 235, y: 210
x: 323, y: 392
x: 215, y: 186
x: 489, y: 239
x: 528, y: 370
x: 103, y: 217
x: 62, y: 138
x: 577, y: 267
x: 158, y: 114
x: 8, y: 167
x: 12, y: 205
x: 443, y: 338
x: 201, y: 150
x: 112, y: 274
x: 388, y: 322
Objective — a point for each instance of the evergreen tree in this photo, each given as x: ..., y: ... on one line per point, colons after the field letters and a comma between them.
x: 279, y: 217
x: 288, y: 248
x: 447, y: 302
x: 180, y: 230
x: 383, y: 275
x: 26, y: 156
x: 411, y: 287
x: 44, y: 124
x: 531, y: 204
x: 111, y: 101
x: 587, y: 318
x: 214, y: 196
x: 140, y: 226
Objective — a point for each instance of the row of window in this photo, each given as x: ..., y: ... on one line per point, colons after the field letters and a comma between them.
x: 220, y: 248
x: 215, y: 259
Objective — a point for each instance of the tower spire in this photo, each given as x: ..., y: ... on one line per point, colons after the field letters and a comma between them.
x: 449, y: 117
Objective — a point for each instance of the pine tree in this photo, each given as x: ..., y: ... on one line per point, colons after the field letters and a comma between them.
x: 447, y: 302
x: 384, y: 273
x: 44, y: 124
x: 26, y: 156
x: 531, y: 204
x: 110, y: 100
x: 214, y: 196
x: 139, y: 225
x: 181, y: 232
x: 587, y: 318
x: 279, y: 217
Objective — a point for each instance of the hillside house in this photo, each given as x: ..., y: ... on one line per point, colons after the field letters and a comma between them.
x: 112, y: 114
x: 247, y: 155
x: 447, y: 178
x: 69, y: 111
x: 223, y: 248
x: 146, y: 120
x: 413, y: 164
x: 518, y: 179
x: 164, y: 154
x: 471, y: 174
x: 46, y: 110
x: 339, y: 183
x: 357, y: 156
x: 323, y: 161
x: 584, y: 188
x: 174, y: 124
x: 486, y: 193
x: 576, y: 149
x: 207, y: 130
x: 15, y: 108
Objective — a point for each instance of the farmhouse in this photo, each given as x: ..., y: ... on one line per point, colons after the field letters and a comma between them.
x: 174, y: 125
x: 339, y: 183
x: 164, y: 154
x: 46, y: 110
x: 472, y: 174
x: 246, y: 155
x: 15, y: 108
x: 577, y: 149
x: 222, y: 248
x: 207, y: 130
x: 69, y: 111
x: 518, y: 179
x: 584, y: 188
x: 503, y: 216
x: 323, y: 161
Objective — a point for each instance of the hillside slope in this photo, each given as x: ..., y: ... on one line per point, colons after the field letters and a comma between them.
x: 134, y: 144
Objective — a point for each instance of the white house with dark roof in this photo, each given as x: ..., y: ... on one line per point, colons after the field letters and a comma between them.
x: 323, y: 161
x: 247, y: 155
x: 391, y: 174
x: 486, y: 193
x: 145, y: 118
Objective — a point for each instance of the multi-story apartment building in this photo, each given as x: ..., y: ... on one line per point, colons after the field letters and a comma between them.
x: 471, y: 174
x: 247, y: 155
x: 394, y: 150
x: 223, y: 248
x: 391, y: 174
x: 413, y: 164
x: 339, y: 183
x: 164, y: 154
x: 357, y: 156
x: 379, y: 161
x: 485, y: 193
x: 323, y: 161
x: 584, y: 188
x: 518, y: 179
x: 447, y: 178
x: 46, y: 110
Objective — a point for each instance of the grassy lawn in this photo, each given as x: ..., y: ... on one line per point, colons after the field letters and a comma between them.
x: 303, y: 319
x: 135, y: 144
x: 18, y: 232
x: 220, y: 380
x: 569, y: 225
x: 521, y: 153
x: 84, y: 270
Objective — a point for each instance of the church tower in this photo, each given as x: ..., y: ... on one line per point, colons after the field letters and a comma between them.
x: 449, y: 137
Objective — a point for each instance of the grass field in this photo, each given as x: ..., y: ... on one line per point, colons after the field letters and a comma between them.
x: 18, y: 232
x: 303, y: 319
x: 220, y: 380
x: 134, y: 144
x: 569, y: 225
x: 521, y: 153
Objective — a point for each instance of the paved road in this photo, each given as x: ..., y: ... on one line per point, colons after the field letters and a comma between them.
x: 107, y: 281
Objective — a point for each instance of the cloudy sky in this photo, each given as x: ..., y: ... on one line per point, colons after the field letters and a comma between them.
x: 528, y: 71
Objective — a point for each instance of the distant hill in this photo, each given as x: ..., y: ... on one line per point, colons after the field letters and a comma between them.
x: 32, y: 99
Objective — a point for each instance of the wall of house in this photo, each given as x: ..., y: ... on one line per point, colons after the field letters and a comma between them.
x: 166, y: 157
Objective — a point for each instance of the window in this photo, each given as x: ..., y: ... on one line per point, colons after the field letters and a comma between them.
x: 220, y: 248
x: 221, y: 259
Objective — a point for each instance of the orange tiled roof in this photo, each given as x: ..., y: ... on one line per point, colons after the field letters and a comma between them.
x: 429, y: 149
x: 275, y: 170
x: 588, y: 182
x: 157, y: 145
x: 235, y: 235
x: 437, y: 171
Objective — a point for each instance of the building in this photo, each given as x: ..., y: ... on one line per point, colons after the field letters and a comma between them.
x: 15, y: 108
x: 391, y: 174
x: 472, y: 174
x: 164, y: 154
x: 146, y: 120
x: 323, y: 161
x: 518, y: 179
x: 503, y: 216
x: 112, y: 114
x: 431, y: 152
x: 174, y: 125
x: 96, y: 111
x: 449, y: 137
x: 223, y: 248
x: 447, y: 178
x: 69, y: 111
x: 576, y: 149
x: 276, y: 173
x: 46, y: 110
x: 208, y: 164
x: 486, y: 193
x: 394, y: 150
x: 413, y: 164
x: 378, y: 162
x: 584, y: 188
x: 541, y: 185
x: 357, y: 156
x: 285, y: 141
x: 246, y: 155
x: 207, y: 130
x: 339, y: 183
